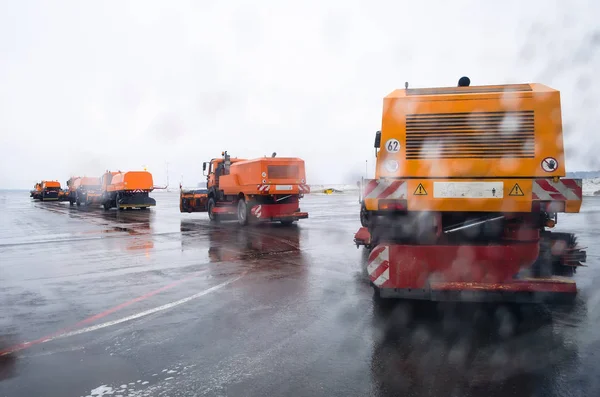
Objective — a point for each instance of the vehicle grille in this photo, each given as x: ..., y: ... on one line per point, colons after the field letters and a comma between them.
x: 470, y: 135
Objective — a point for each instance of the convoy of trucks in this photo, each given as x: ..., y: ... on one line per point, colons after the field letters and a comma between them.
x: 468, y: 184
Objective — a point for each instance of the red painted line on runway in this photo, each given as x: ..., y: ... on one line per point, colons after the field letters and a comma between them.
x: 95, y: 317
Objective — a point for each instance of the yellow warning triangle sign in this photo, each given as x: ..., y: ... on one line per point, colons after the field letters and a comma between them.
x: 516, y: 191
x: 420, y: 191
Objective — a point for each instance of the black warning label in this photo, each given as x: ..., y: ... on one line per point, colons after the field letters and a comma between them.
x: 420, y: 191
x: 516, y: 191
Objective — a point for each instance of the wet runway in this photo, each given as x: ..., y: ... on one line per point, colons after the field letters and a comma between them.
x: 158, y: 303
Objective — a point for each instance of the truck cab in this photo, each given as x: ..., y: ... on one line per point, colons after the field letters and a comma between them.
x: 216, y: 168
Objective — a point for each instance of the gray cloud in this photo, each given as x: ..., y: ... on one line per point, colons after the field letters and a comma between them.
x: 132, y: 83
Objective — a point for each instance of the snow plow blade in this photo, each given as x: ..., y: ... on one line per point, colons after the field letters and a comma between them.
x: 549, y: 290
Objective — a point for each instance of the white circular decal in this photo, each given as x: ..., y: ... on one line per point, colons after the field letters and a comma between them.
x: 549, y: 164
x: 264, y: 174
x: 391, y: 165
x: 392, y: 146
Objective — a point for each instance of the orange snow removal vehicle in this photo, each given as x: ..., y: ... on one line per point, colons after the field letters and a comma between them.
x: 84, y: 190
x: 36, y: 192
x: 45, y: 191
x: 468, y: 182
x: 127, y: 190
x: 264, y: 189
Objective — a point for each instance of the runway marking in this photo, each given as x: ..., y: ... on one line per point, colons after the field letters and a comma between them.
x: 150, y: 311
x: 66, y: 332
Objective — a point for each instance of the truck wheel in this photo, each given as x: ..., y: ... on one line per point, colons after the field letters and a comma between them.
x: 364, y: 216
x: 106, y: 205
x: 287, y: 222
x: 71, y: 202
x: 242, y: 212
x: 210, y: 207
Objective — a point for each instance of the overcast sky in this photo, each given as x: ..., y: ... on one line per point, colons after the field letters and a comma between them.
x: 91, y: 85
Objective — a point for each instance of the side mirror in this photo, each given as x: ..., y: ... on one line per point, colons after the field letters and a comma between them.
x: 377, y: 140
x: 204, y: 166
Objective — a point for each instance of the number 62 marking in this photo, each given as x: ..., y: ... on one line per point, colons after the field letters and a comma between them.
x: 392, y: 146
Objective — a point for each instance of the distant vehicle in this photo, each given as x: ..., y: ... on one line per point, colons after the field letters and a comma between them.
x: 265, y: 189
x: 45, y: 191
x: 127, y: 190
x: 195, y: 200
x: 84, y: 190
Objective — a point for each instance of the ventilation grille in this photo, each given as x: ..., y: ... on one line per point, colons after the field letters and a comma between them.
x: 470, y: 135
x: 470, y: 90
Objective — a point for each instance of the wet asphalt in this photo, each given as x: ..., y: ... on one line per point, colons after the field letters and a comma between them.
x: 158, y: 303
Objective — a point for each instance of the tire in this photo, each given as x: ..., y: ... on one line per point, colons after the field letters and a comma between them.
x: 209, y: 208
x: 242, y: 212
x: 287, y: 222
x: 364, y: 216
x: 106, y: 205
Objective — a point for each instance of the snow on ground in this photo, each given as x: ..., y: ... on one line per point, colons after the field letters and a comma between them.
x: 337, y: 187
x: 591, y: 186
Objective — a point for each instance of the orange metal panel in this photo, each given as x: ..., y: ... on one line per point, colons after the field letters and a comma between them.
x: 131, y: 180
x: 457, y: 135
x: 246, y: 176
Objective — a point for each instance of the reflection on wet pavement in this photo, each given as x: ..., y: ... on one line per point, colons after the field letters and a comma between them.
x: 144, y: 303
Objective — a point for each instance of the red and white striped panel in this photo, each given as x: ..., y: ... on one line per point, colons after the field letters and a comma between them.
x: 563, y: 190
x: 385, y: 189
x: 304, y: 188
x: 138, y: 191
x: 378, y: 265
x: 256, y: 211
x: 263, y: 188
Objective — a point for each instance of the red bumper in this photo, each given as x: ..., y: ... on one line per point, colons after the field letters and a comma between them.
x: 277, y: 212
x: 461, y: 273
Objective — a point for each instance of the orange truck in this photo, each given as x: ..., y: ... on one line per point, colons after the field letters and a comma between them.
x: 46, y: 191
x: 468, y: 186
x: 127, y: 190
x: 84, y: 190
x: 194, y: 200
x: 265, y: 189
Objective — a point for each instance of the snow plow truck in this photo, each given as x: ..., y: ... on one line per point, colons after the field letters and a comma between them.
x: 265, y: 189
x: 127, y: 190
x: 45, y: 191
x: 469, y: 181
x: 84, y: 190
